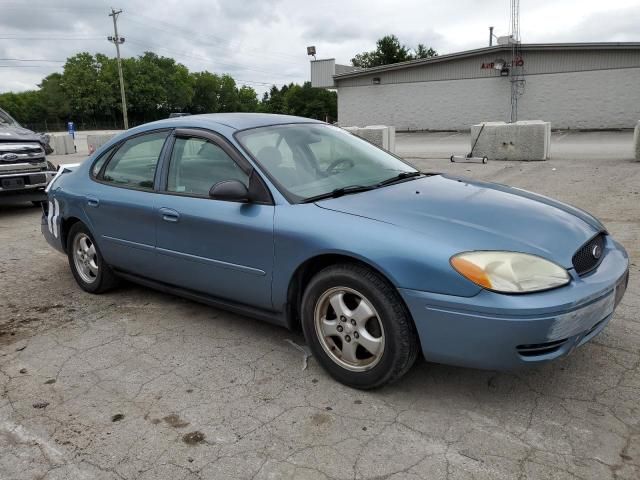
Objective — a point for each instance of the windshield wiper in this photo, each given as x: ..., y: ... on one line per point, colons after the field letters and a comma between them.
x: 399, y: 177
x: 339, y: 192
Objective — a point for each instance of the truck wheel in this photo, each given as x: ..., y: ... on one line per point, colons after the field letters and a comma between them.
x: 358, y: 326
x: 88, y: 268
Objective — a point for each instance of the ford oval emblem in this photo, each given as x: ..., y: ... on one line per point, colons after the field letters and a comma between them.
x: 596, y: 252
x: 8, y: 157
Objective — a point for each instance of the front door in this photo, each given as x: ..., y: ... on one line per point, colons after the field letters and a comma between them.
x: 220, y: 248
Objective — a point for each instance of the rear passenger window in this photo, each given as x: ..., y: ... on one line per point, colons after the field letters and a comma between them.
x: 134, y: 164
x: 197, y: 165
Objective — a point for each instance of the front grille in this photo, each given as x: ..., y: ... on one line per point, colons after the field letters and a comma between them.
x: 535, y: 349
x: 589, y: 256
x: 11, y: 153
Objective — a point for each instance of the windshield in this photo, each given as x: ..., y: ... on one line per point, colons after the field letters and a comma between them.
x: 6, y: 120
x: 308, y: 160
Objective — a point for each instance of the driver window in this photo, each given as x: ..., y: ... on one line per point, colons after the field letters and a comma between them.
x: 197, y: 165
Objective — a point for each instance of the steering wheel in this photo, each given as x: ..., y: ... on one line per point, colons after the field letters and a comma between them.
x: 332, y: 169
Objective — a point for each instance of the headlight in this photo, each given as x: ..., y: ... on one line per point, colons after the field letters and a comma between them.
x: 510, y: 272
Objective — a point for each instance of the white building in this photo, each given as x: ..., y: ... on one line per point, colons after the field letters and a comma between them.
x: 573, y: 86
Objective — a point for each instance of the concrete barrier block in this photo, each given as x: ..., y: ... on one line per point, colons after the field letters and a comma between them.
x: 526, y: 140
x: 96, y: 141
x: 69, y: 145
x: 62, y: 144
x: 381, y: 135
x: 636, y: 140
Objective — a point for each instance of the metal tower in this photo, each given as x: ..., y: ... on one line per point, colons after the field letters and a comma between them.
x: 516, y: 72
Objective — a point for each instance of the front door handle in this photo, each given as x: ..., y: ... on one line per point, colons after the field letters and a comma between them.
x: 169, y: 214
x: 93, y: 202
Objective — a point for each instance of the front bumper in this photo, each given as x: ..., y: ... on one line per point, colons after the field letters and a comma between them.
x: 24, y: 186
x: 498, y: 331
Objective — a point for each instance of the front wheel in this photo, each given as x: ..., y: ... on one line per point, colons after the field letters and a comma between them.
x: 86, y: 262
x: 358, y: 327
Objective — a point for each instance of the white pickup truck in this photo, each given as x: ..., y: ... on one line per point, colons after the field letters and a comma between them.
x: 24, y: 169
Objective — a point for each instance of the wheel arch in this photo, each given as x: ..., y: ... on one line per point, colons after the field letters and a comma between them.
x: 305, y: 272
x: 65, y: 228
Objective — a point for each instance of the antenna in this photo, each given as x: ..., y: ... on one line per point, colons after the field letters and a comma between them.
x: 516, y: 71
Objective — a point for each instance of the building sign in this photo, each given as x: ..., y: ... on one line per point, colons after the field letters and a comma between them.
x: 498, y: 64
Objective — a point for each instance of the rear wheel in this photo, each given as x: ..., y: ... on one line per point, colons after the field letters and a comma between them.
x: 88, y: 268
x: 358, y: 327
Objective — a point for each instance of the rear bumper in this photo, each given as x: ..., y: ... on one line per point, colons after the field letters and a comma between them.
x: 497, y: 331
x: 50, y: 224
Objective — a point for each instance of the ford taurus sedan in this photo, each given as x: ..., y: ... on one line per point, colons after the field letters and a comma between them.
x: 304, y: 225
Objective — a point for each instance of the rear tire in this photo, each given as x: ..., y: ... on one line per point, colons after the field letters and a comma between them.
x: 358, y: 326
x: 86, y: 262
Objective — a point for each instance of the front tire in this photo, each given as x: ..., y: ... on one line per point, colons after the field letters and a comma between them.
x: 86, y: 262
x: 358, y: 326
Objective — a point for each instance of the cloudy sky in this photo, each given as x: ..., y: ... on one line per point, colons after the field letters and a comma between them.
x: 262, y: 42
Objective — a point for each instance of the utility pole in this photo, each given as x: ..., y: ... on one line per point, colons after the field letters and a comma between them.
x: 490, y: 36
x: 117, y: 40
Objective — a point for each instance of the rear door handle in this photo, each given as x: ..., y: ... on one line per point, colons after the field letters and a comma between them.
x: 93, y: 202
x: 169, y: 214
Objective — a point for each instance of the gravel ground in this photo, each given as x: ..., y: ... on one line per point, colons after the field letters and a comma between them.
x: 135, y: 384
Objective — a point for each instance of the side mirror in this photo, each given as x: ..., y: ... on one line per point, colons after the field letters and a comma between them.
x: 230, y: 191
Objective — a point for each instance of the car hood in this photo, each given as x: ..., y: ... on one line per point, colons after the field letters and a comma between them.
x: 13, y: 133
x: 466, y: 215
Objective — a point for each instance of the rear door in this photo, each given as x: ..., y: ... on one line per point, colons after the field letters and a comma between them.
x: 121, y: 203
x: 221, y: 248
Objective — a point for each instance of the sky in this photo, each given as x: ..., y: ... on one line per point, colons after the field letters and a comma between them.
x: 263, y: 42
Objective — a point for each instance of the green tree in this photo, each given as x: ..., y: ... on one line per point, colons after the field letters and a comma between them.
x: 88, y: 92
x: 425, y: 52
x: 389, y: 50
x: 53, y: 101
x: 228, y: 94
x: 25, y: 107
x: 247, y: 99
x: 206, y: 86
x: 302, y: 100
x: 273, y: 101
x: 80, y: 85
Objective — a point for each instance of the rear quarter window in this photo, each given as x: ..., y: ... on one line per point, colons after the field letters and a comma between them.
x: 97, y: 165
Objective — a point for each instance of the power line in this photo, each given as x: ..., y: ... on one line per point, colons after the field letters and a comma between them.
x: 30, y: 6
x: 195, y: 57
x: 150, y: 23
x: 27, y: 66
x: 15, y: 37
x: 30, y: 60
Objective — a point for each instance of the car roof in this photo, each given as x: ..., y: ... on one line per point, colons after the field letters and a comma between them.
x: 236, y: 121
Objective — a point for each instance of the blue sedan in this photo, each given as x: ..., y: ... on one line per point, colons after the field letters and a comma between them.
x: 304, y: 225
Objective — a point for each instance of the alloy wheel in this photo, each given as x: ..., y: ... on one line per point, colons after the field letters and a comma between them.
x: 85, y: 258
x: 349, y: 329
